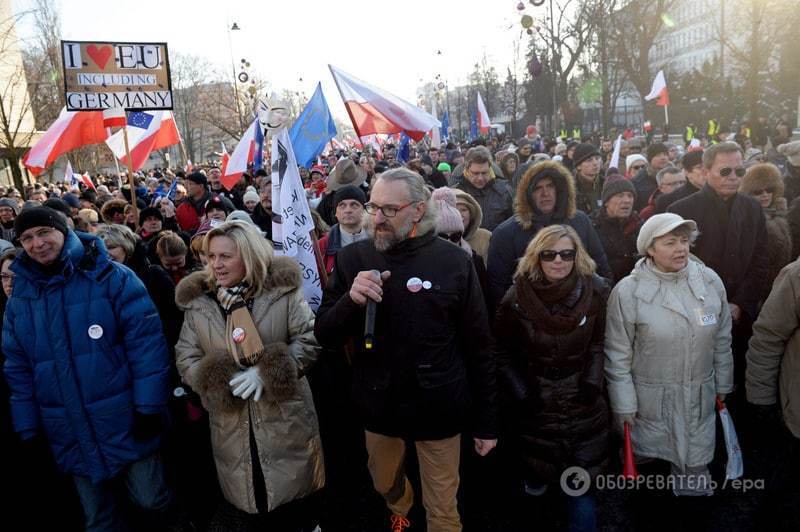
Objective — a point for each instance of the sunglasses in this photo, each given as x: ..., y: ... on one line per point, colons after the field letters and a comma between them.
x: 637, y: 167
x: 550, y: 255
x: 740, y: 171
x: 452, y: 237
x: 763, y: 190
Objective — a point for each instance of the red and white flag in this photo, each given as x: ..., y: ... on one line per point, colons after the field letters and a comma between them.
x: 71, y: 130
x: 245, y: 154
x: 114, y: 117
x: 87, y: 181
x: 375, y: 110
x: 147, y: 131
x: 224, y: 158
x: 659, y: 90
x: 483, y: 117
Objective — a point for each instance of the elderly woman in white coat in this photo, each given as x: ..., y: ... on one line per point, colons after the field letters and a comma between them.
x: 668, y: 352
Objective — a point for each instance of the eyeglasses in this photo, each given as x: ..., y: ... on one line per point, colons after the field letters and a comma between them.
x: 386, y: 210
x: 763, y: 190
x: 7, y: 277
x: 739, y: 170
x: 452, y: 237
x: 549, y: 255
x: 637, y: 167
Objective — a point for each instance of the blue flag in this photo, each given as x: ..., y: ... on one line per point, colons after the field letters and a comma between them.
x: 258, y: 156
x: 404, y: 150
x: 443, y: 131
x: 473, y: 126
x: 313, y: 129
x: 139, y: 119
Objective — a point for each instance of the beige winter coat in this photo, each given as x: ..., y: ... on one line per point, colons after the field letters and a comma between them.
x: 773, y: 360
x: 668, y: 354
x: 283, y: 421
x: 475, y: 235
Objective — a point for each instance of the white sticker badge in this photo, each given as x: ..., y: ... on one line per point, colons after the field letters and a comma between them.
x: 705, y: 319
x: 414, y: 285
x: 95, y: 332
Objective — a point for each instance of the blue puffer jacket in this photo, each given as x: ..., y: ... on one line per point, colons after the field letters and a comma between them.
x: 76, y: 384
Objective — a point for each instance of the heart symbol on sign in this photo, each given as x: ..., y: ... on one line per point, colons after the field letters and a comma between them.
x: 99, y: 54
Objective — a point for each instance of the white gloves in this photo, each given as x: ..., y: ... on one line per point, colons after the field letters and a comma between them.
x: 246, y: 383
x: 167, y: 208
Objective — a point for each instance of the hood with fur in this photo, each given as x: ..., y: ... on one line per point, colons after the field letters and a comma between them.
x: 475, y: 212
x: 761, y: 177
x: 565, y: 196
x: 284, y: 273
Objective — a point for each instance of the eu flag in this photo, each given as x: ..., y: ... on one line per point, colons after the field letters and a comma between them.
x: 444, y: 133
x: 140, y: 119
x: 313, y: 129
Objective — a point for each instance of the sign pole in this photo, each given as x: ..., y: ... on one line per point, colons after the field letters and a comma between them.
x: 323, y: 274
x: 130, y: 175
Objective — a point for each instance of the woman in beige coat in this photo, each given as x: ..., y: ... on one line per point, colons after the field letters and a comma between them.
x: 668, y: 352
x: 246, y: 343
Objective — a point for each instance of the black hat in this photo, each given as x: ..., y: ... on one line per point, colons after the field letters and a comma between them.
x: 216, y: 202
x: 616, y: 184
x: 197, y: 177
x: 691, y: 159
x: 39, y: 217
x: 349, y: 192
x: 654, y: 149
x: 149, y: 212
x: 582, y: 152
x: 57, y: 204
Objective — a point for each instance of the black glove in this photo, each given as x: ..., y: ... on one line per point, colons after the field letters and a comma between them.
x: 146, y: 426
x: 588, y: 394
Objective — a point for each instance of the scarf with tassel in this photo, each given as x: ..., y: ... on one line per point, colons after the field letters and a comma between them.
x: 241, y: 335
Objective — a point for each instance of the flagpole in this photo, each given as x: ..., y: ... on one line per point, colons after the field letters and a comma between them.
x: 323, y: 275
x: 130, y: 174
x: 666, y: 115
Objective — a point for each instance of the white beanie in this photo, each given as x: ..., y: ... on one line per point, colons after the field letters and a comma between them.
x: 791, y: 150
x: 659, y: 225
x: 630, y: 159
x: 251, y: 195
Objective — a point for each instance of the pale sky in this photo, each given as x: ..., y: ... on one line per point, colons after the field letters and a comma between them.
x: 389, y: 44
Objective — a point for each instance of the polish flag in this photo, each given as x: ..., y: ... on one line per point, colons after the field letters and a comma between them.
x: 483, y: 117
x: 436, y: 137
x: 247, y: 152
x: 87, y: 181
x: 374, y: 110
x: 72, y: 129
x: 114, y: 117
x: 224, y: 158
x: 659, y: 90
x: 147, y: 131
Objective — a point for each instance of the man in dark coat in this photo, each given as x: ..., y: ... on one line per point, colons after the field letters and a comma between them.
x: 732, y: 241
x: 692, y: 164
x: 617, y: 225
x: 428, y: 374
x: 645, y: 181
x: 493, y: 195
x: 588, y: 181
x: 547, y: 197
x: 262, y: 214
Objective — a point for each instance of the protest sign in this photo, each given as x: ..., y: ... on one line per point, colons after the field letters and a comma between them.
x: 103, y: 75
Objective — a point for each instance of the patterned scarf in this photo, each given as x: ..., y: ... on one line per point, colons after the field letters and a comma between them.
x: 241, y: 335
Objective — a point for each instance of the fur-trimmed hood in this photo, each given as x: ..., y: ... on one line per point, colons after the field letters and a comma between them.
x: 475, y: 212
x: 284, y: 273
x: 524, y: 211
x: 108, y: 206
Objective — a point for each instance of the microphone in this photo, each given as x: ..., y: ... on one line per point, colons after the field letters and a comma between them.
x: 369, y: 321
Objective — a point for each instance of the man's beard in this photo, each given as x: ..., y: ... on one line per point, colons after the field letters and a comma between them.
x: 384, y: 243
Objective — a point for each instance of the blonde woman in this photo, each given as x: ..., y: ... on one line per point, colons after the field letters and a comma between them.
x: 668, y: 352
x: 246, y: 344
x: 549, y: 328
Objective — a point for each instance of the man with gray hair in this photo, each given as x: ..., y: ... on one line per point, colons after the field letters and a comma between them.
x: 424, y: 373
x: 732, y: 242
x: 669, y: 179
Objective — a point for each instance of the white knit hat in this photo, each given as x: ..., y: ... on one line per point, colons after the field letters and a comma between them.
x: 659, y: 225
x: 630, y: 159
x: 251, y: 195
x: 791, y: 150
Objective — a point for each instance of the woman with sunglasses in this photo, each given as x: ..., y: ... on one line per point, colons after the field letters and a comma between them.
x: 549, y: 329
x: 764, y: 183
x: 668, y: 354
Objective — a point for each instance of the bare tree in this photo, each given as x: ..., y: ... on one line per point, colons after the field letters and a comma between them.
x: 189, y: 74
x: 485, y: 79
x: 42, y: 59
x: 16, y: 121
x: 633, y: 27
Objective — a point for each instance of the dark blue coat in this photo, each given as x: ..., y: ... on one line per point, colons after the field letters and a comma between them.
x: 80, y: 391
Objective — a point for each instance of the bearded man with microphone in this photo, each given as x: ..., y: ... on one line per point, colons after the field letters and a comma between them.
x: 426, y: 373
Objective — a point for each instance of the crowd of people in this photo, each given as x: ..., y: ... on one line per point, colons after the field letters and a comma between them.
x: 526, y: 303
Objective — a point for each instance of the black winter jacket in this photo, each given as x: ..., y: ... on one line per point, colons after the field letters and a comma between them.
x: 431, y: 373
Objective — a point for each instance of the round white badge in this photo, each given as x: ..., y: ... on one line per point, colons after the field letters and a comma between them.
x: 583, y: 322
x: 238, y: 335
x: 95, y: 332
x: 426, y: 285
x: 414, y: 284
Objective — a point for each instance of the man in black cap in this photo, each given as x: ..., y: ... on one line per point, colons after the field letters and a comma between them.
x: 588, y: 183
x: 193, y: 208
x: 617, y: 225
x: 692, y: 164
x: 349, y: 211
x: 645, y: 181
x: 218, y: 208
x: 87, y: 366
